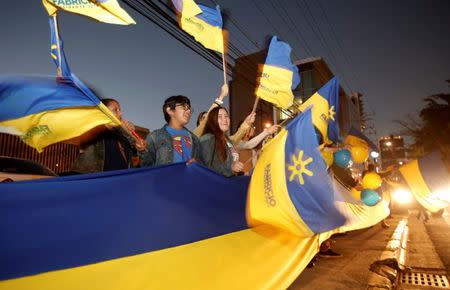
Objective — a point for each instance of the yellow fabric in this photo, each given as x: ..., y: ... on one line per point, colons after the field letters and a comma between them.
x: 209, y: 36
x: 268, y: 200
x: 108, y: 11
x: 320, y: 113
x: 419, y: 188
x: 190, y: 9
x: 274, y: 86
x: 259, y: 258
x: 46, y: 128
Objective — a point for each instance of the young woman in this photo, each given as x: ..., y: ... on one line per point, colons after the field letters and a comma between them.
x: 218, y: 152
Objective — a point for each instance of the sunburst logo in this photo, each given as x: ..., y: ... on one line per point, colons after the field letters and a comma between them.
x: 298, y: 167
x: 331, y: 113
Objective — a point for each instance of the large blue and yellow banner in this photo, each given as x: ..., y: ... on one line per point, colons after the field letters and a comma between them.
x: 172, y: 227
x: 325, y: 106
x: 43, y: 110
x: 108, y: 11
x: 429, y: 181
x: 290, y: 186
x: 278, y: 76
x: 203, y: 23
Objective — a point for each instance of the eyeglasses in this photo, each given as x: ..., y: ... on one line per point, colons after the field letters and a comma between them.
x: 185, y: 107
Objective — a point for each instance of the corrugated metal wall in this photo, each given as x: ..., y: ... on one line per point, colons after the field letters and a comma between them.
x: 58, y: 157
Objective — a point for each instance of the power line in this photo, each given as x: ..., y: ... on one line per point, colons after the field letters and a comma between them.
x: 320, y: 37
x: 347, y: 60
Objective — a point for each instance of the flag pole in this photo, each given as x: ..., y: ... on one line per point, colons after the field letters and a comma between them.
x: 255, y: 104
x: 224, y: 68
x: 58, y: 47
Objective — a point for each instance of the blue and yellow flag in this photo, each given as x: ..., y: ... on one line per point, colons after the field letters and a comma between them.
x: 44, y: 111
x: 173, y: 227
x: 429, y: 181
x: 356, y: 138
x: 325, y: 105
x: 203, y: 23
x: 57, y: 50
x: 278, y: 76
x: 290, y: 186
x: 108, y: 11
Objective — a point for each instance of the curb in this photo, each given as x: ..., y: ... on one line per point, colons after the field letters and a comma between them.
x: 385, y: 270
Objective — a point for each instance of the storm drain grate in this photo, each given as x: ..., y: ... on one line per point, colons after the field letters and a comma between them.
x: 425, y: 279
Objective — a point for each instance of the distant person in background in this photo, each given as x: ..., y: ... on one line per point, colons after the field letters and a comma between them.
x: 218, y: 151
x: 173, y: 142
x: 201, y: 117
x: 111, y: 149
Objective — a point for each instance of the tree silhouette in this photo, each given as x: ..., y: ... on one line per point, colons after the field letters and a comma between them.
x: 432, y: 131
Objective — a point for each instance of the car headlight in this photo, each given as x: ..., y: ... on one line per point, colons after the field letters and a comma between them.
x: 402, y: 196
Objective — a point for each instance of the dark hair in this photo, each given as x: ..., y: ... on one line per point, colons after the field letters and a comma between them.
x: 212, y: 127
x: 171, y: 102
x: 107, y: 101
x: 200, y: 116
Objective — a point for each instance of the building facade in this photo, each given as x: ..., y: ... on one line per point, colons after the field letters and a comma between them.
x: 314, y: 73
x: 392, y: 151
x: 58, y: 157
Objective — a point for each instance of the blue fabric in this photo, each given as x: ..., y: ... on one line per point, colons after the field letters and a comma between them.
x: 211, y: 16
x: 65, y: 70
x: 434, y: 172
x: 182, y: 144
x: 71, y: 221
x: 314, y: 200
x: 25, y: 95
x: 330, y: 92
x: 279, y: 55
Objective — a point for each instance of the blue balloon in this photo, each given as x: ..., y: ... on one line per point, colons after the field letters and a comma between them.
x: 370, y: 197
x: 342, y: 158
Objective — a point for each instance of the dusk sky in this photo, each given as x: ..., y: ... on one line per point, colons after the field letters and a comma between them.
x: 394, y: 52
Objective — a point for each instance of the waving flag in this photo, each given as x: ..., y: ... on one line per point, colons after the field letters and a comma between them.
x: 278, y: 76
x: 325, y: 105
x: 57, y: 50
x: 203, y: 23
x: 44, y: 111
x: 429, y: 181
x: 290, y: 187
x: 357, y: 138
x: 108, y: 11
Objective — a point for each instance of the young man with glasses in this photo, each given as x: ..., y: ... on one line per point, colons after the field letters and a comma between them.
x: 173, y: 142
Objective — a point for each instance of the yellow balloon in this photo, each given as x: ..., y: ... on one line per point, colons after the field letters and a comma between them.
x: 371, y: 181
x: 359, y: 154
x: 328, y: 157
x: 356, y: 194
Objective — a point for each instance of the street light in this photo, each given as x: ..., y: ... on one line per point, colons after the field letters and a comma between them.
x: 374, y: 154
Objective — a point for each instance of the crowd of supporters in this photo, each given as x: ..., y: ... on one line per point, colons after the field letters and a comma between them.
x: 209, y: 144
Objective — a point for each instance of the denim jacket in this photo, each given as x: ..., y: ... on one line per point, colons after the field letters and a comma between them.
x: 211, y: 157
x: 92, y: 158
x: 160, y: 148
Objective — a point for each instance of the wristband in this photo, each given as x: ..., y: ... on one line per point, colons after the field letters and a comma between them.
x: 218, y: 102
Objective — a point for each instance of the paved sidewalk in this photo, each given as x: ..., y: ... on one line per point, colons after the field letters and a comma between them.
x: 360, y: 249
